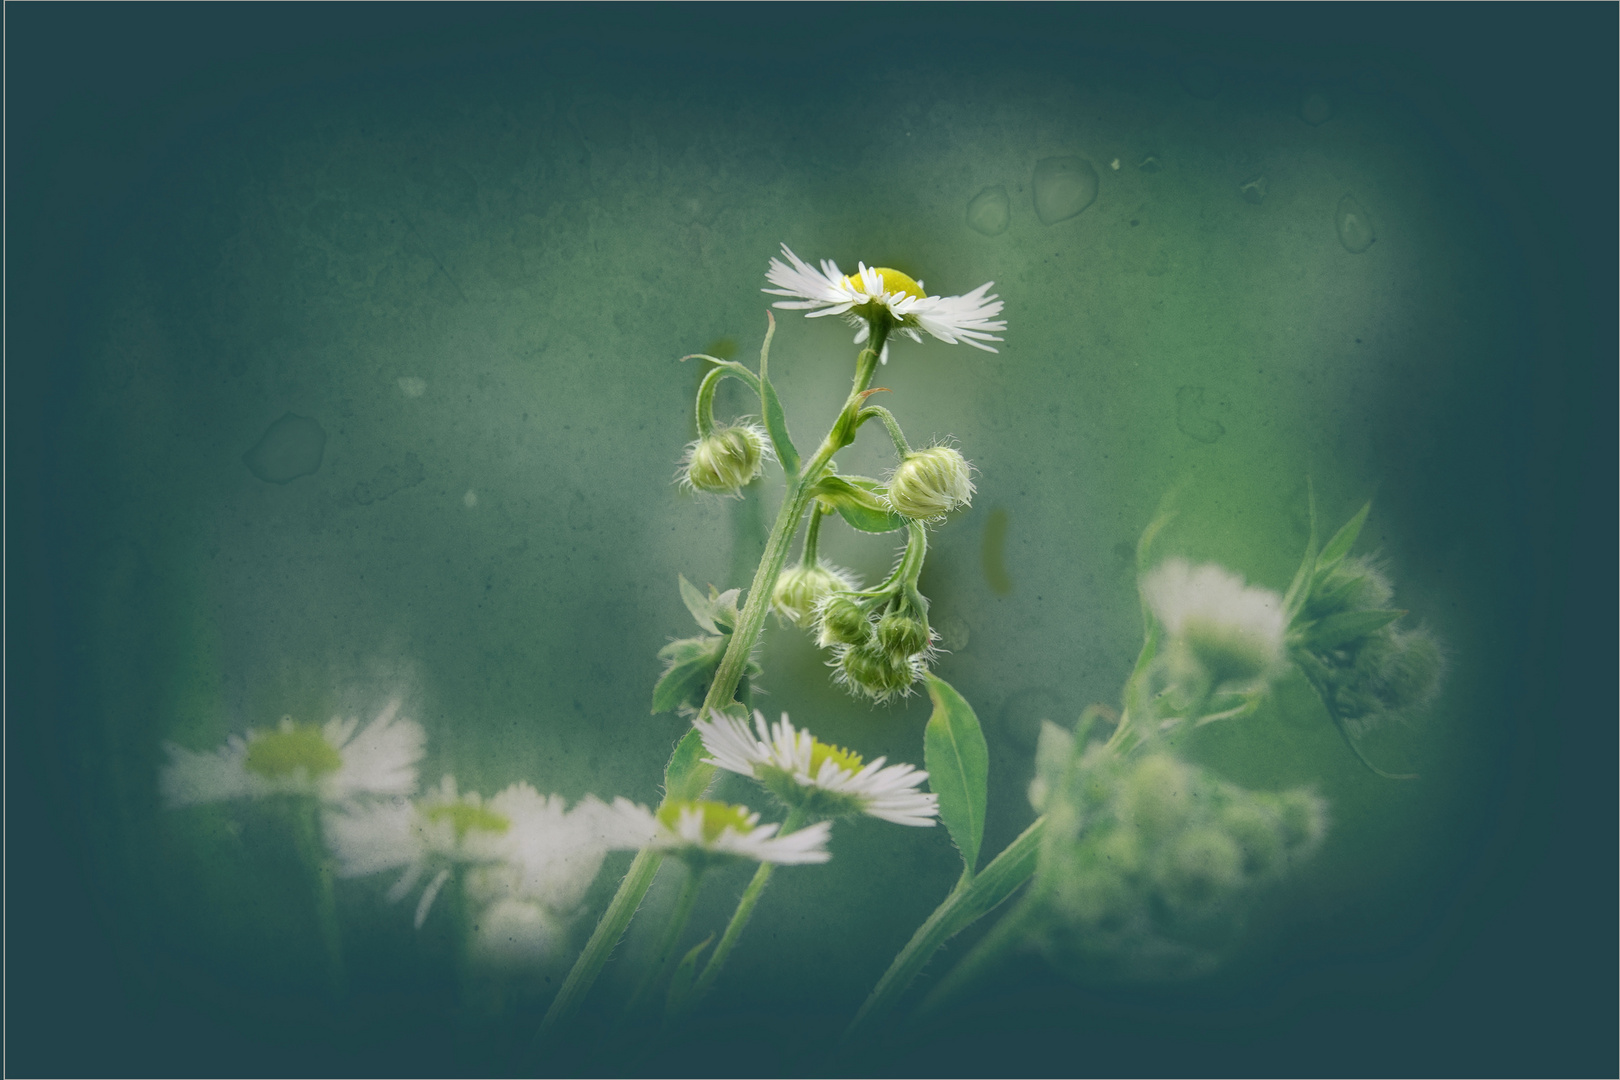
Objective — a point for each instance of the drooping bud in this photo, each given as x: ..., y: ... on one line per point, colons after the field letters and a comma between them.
x: 930, y: 483
x: 903, y: 635
x: 801, y: 589
x: 724, y: 460
x: 842, y: 622
x: 875, y: 673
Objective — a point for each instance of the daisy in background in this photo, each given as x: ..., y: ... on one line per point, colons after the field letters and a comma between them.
x: 334, y: 763
x: 1221, y: 630
x: 697, y: 829
x: 872, y: 294
x: 813, y: 777
x: 524, y: 847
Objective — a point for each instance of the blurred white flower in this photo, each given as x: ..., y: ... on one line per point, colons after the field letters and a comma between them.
x: 879, y: 292
x: 530, y: 845
x: 822, y: 779
x: 1232, y: 631
x: 334, y: 763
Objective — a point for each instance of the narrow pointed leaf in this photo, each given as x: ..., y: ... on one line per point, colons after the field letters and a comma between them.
x: 776, y: 427
x: 1338, y: 547
x: 1346, y: 626
x: 680, y: 987
x: 958, y: 765
x: 684, y: 684
x: 701, y: 607
x: 685, y: 777
x: 858, y: 504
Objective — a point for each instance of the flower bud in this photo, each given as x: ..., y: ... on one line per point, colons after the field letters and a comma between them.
x: 842, y: 622
x: 724, y: 460
x: 903, y: 635
x: 801, y: 589
x: 875, y: 673
x: 930, y: 483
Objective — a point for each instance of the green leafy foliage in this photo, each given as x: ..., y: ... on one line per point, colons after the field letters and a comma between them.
x: 685, y: 778
x: 690, y: 663
x: 958, y: 764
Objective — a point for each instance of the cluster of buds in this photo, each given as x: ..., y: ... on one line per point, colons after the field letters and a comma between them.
x: 1147, y: 860
x: 877, y: 655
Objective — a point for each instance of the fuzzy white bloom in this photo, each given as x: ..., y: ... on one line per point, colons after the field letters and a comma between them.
x: 870, y: 290
x: 334, y: 763
x: 1234, y: 631
x: 820, y: 778
x: 699, y: 827
x: 531, y: 847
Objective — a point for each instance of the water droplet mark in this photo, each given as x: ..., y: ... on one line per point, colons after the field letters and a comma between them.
x: 1354, y: 227
x: 1316, y: 108
x: 990, y: 211
x: 1190, y: 418
x: 1064, y: 186
x: 289, y: 448
x: 411, y: 386
x: 390, y: 479
x: 1254, y: 190
x: 993, y: 553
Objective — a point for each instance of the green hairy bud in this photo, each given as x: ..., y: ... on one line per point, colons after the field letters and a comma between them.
x: 903, y: 635
x: 875, y: 673
x: 800, y: 590
x: 930, y: 483
x: 724, y: 460
x: 843, y: 622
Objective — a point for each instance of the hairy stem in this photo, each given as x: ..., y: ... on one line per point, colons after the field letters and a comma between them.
x: 971, y: 899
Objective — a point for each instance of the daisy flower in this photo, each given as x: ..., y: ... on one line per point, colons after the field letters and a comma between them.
x: 1233, y: 631
x: 333, y: 763
x: 698, y: 828
x: 823, y: 780
x: 873, y: 293
x: 527, y: 846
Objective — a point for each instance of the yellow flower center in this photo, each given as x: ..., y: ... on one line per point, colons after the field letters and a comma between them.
x: 466, y: 816
x: 893, y: 282
x: 290, y: 748
x: 717, y: 817
x: 847, y: 760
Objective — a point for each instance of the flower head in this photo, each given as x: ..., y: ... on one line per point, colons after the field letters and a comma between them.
x: 880, y: 293
x: 1231, y: 632
x: 817, y: 777
x: 334, y: 763
x: 700, y: 829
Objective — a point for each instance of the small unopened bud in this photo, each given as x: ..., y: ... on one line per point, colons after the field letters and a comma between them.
x: 930, y: 483
x: 726, y: 459
x: 875, y: 673
x: 801, y: 589
x: 903, y: 635
x: 1231, y: 632
x: 842, y: 622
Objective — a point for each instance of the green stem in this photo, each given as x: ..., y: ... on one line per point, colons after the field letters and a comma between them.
x: 969, y: 901
x: 740, y: 917
x: 705, y: 401
x: 306, y: 812
x: 750, y: 623
x: 901, y: 447
x: 980, y: 959
x: 810, y: 554
x: 608, y: 931
x: 672, y: 935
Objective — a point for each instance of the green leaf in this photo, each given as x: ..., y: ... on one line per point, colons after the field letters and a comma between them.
x: 958, y: 768
x: 1337, y: 548
x: 684, y: 776
x: 1347, y: 626
x: 680, y: 986
x: 684, y: 684
x: 857, y: 503
x: 701, y: 607
x: 723, y: 609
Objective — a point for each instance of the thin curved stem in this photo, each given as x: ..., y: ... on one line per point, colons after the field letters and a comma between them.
x: 740, y: 917
x: 665, y: 954
x: 979, y: 960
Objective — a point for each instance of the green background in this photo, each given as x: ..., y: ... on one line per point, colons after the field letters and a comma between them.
x: 471, y: 246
